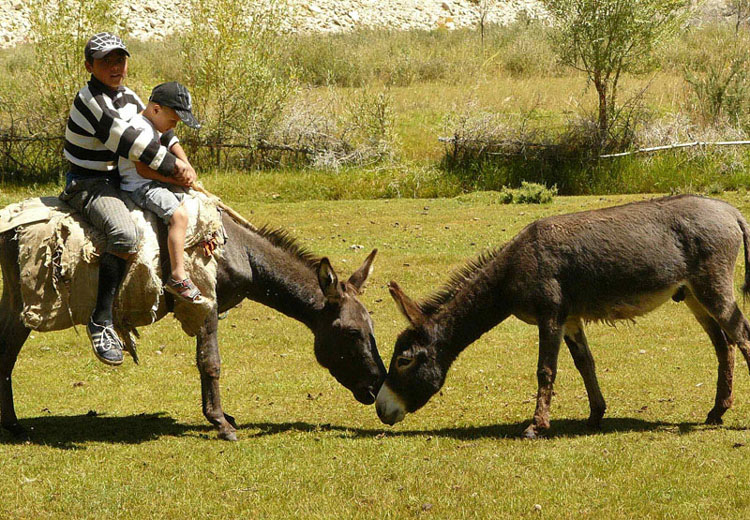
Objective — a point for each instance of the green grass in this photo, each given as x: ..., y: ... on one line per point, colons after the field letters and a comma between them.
x: 131, y: 442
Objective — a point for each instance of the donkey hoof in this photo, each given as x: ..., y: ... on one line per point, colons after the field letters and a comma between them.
x: 530, y: 433
x: 230, y: 420
x: 228, y: 436
x: 714, y: 419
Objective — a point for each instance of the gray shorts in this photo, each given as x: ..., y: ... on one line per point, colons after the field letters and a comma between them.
x: 100, y: 202
x: 158, y: 198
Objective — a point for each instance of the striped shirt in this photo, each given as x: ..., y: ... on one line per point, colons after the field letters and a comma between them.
x: 130, y: 179
x: 98, y: 132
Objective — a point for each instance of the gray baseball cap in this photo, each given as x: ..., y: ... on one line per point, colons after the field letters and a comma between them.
x: 102, y: 44
x: 176, y: 96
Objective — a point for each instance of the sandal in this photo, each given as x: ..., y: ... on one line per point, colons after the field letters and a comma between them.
x: 185, y: 290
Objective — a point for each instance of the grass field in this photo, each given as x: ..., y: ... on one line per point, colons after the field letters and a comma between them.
x: 132, y: 443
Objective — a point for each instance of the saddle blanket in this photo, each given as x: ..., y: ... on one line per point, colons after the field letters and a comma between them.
x: 59, y: 258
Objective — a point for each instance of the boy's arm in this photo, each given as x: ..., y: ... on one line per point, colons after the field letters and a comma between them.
x: 149, y: 173
x: 179, y: 152
x: 96, y: 114
x: 169, y: 139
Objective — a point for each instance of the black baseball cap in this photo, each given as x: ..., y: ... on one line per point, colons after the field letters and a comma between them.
x: 101, y: 44
x: 176, y: 96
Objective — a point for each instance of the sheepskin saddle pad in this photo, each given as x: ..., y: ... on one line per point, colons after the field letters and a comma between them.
x: 58, y: 257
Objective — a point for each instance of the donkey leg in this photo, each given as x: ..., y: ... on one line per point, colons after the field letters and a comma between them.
x: 576, y: 341
x: 550, y: 335
x: 209, y: 366
x: 718, y: 300
x: 725, y: 356
x: 13, y: 334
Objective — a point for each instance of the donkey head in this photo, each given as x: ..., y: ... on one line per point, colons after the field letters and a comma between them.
x: 344, y: 338
x: 416, y: 373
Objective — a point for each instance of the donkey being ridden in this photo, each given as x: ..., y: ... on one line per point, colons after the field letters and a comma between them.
x: 603, y: 265
x: 265, y: 266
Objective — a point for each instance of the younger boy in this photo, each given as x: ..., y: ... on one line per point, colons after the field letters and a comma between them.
x: 169, y: 103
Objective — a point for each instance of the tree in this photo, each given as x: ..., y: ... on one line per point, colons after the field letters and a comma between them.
x: 741, y: 9
x: 605, y: 38
x: 483, y: 9
x: 59, y: 32
x: 230, y: 49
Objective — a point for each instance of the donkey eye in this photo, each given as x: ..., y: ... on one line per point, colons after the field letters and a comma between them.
x: 404, y: 361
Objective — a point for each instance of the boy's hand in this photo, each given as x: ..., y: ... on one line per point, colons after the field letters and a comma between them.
x: 184, y: 173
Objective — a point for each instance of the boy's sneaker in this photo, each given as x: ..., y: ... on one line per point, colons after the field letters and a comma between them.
x: 107, y: 345
x: 184, y: 290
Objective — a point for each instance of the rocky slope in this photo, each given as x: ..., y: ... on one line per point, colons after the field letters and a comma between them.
x: 148, y: 19
x: 152, y: 19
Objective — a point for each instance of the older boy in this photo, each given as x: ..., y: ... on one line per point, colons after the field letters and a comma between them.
x: 168, y: 104
x: 97, y: 133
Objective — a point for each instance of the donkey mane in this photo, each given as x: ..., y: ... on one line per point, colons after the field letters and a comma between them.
x: 458, y: 280
x: 283, y: 240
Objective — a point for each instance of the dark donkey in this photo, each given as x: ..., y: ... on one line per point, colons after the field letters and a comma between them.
x: 265, y: 266
x: 604, y: 265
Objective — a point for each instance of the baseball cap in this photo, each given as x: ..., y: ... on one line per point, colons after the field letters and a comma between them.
x: 101, y: 44
x: 176, y: 96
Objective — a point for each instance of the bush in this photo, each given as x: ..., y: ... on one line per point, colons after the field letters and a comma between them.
x: 230, y: 50
x: 528, y: 193
x: 488, y: 150
x: 33, y: 121
x: 720, y: 81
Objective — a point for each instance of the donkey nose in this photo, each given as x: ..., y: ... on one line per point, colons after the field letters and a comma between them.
x: 389, y: 406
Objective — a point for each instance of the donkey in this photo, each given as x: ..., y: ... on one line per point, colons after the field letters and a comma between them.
x: 263, y: 265
x: 604, y: 265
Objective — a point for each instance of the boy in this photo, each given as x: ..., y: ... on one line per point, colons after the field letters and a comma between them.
x: 97, y: 133
x: 169, y: 103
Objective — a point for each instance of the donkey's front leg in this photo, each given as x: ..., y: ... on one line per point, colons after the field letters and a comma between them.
x: 550, y: 335
x: 209, y: 366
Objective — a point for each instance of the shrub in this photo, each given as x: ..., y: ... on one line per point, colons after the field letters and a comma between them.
x: 606, y: 38
x: 59, y: 32
x: 720, y: 81
x: 229, y: 52
x: 528, y: 193
x: 33, y: 121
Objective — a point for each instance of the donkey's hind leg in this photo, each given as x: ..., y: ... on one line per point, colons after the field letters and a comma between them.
x: 722, y: 339
x: 717, y: 297
x: 575, y: 339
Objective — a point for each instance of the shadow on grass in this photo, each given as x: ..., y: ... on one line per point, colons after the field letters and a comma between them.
x: 561, y: 428
x: 73, y: 431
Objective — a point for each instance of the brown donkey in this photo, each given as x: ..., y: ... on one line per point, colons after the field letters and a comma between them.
x: 265, y: 266
x: 559, y: 272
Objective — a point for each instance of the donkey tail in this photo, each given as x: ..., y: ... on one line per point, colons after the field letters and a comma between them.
x: 746, y: 241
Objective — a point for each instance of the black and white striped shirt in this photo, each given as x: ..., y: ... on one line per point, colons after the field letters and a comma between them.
x: 98, y: 133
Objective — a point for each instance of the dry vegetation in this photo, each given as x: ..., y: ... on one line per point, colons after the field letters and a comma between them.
x: 344, y: 107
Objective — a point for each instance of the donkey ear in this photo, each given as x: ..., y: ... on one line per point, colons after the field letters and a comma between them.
x: 406, y: 305
x: 329, y: 282
x: 359, y: 277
